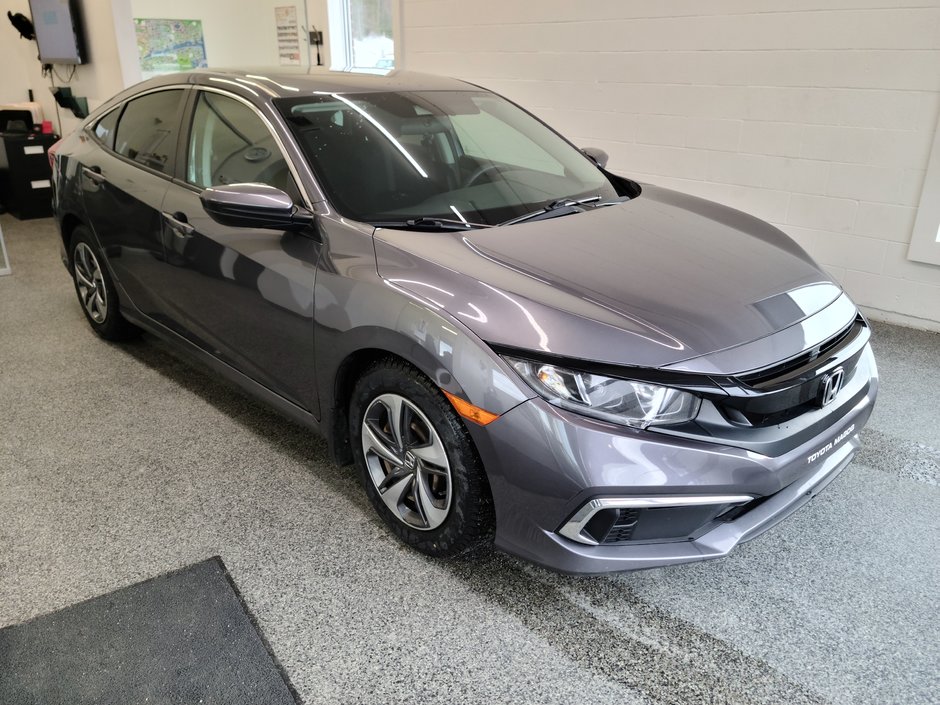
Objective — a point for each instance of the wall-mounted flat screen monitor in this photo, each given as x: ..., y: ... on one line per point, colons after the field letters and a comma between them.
x: 58, y: 31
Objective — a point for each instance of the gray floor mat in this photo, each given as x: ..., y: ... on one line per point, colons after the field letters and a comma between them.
x: 183, y: 637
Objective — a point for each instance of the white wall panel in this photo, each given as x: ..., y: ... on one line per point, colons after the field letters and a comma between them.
x: 818, y: 120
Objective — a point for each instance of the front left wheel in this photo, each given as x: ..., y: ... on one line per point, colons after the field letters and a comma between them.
x: 418, y: 464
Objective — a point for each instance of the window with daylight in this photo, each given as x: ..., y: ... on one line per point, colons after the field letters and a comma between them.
x: 362, y: 33
x: 925, y: 240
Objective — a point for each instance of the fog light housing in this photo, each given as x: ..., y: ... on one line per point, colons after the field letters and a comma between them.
x: 619, y: 520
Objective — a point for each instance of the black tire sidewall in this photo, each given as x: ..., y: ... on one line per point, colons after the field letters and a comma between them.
x: 469, y: 522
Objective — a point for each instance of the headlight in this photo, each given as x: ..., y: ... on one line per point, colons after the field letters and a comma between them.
x: 636, y: 404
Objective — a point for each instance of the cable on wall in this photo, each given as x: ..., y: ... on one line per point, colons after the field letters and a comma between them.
x: 65, y: 81
x: 47, y: 70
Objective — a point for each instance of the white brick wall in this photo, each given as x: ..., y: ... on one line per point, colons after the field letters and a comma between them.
x: 818, y: 120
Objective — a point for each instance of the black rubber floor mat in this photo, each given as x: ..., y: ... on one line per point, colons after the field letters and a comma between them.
x: 185, y: 637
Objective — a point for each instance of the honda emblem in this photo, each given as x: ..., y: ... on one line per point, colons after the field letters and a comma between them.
x: 830, y: 386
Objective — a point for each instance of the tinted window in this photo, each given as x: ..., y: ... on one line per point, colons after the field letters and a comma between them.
x: 104, y: 130
x: 147, y: 130
x: 229, y: 144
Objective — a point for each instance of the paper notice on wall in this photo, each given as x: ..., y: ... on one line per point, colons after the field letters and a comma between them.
x: 288, y: 35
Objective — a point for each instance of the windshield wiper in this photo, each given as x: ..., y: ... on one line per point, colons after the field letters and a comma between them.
x: 563, y: 206
x: 429, y: 224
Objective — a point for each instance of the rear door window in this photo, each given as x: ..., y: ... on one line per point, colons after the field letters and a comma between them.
x: 148, y: 129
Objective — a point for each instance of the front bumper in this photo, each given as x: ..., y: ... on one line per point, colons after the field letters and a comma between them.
x: 545, y: 464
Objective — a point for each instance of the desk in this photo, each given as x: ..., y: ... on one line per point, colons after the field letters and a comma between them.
x: 25, y: 175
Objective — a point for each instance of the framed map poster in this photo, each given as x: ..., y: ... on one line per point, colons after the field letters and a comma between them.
x: 167, y: 46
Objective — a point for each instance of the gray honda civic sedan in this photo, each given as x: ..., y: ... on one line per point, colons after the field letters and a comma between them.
x: 511, y: 343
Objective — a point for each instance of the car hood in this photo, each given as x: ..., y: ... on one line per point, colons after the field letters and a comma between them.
x: 651, y: 282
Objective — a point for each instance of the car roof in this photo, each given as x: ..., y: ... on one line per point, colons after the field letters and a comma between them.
x: 287, y: 82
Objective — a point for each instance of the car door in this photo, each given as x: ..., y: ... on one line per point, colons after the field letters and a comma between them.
x: 124, y: 181
x: 245, y: 295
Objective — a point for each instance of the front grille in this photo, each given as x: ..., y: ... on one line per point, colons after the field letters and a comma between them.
x: 759, y: 420
x: 777, y: 394
x: 771, y: 376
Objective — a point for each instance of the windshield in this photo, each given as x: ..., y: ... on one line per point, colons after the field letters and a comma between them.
x: 468, y: 156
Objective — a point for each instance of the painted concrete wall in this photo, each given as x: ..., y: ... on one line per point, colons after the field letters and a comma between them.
x: 818, y: 120
x: 14, y: 82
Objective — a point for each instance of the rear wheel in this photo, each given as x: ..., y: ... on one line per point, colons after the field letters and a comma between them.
x: 96, y: 292
x: 417, y: 461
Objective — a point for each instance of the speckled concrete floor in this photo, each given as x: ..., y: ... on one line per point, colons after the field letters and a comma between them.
x: 118, y: 463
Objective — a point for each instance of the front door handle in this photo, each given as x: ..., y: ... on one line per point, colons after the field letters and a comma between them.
x: 94, y: 173
x: 178, y: 223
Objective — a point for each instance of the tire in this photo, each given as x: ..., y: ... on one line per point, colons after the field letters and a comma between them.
x: 96, y: 293
x: 427, y: 481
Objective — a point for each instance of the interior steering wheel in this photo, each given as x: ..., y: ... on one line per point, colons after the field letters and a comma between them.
x: 474, y: 177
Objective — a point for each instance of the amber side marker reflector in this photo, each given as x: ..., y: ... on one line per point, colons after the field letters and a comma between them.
x: 469, y: 411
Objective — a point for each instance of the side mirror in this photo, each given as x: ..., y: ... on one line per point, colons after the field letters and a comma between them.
x: 254, y: 206
x: 597, y: 155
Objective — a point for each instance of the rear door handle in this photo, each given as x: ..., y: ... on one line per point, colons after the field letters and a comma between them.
x: 94, y: 173
x: 178, y: 224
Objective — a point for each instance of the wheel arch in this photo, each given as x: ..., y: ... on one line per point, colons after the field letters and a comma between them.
x: 455, y: 362
x: 348, y: 371
x: 67, y: 226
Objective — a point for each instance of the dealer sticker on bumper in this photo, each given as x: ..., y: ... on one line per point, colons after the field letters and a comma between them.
x: 832, y: 444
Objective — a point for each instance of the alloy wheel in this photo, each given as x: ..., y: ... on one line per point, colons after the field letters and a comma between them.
x: 90, y: 283
x: 407, y: 462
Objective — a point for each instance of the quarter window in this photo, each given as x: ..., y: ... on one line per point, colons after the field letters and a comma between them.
x: 229, y: 144
x: 147, y: 130
x: 104, y: 130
